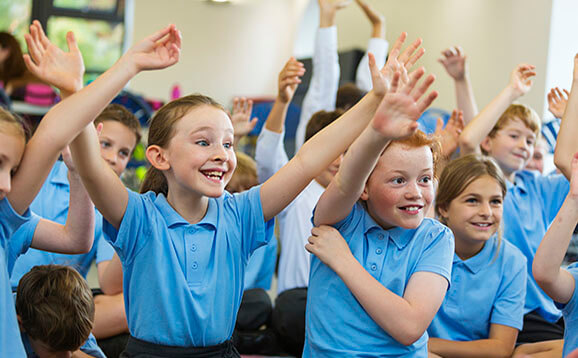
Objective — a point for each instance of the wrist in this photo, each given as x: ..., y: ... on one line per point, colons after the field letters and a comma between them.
x: 511, y: 93
x: 327, y: 17
x: 127, y: 65
x: 282, y: 100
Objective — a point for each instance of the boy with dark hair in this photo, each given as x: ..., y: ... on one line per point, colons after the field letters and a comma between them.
x: 56, y: 312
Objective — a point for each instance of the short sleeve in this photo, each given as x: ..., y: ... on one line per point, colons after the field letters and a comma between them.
x: 10, y: 220
x: 21, y: 241
x: 248, y: 212
x: 135, y: 227
x: 554, y: 189
x: 570, y: 309
x: 437, y: 257
x: 508, y: 307
x: 91, y: 348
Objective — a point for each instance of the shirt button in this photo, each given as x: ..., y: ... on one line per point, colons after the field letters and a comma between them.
x: 194, y: 248
x: 378, y: 251
x: 195, y: 265
x: 191, y: 230
x: 380, y: 236
x: 373, y: 267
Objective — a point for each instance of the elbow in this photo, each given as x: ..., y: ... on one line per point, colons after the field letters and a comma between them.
x: 543, y: 276
x: 409, y: 334
x: 110, y: 289
x: 561, y: 160
x: 466, y: 145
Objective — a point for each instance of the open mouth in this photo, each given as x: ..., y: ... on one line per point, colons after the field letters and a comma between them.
x: 482, y: 226
x: 213, y: 175
x: 411, y: 209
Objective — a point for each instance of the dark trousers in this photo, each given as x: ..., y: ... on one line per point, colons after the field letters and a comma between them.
x: 537, y: 329
x: 136, y: 348
x: 289, y: 320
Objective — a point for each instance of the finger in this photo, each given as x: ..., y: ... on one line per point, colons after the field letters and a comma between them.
x: 447, y: 52
x: 399, y: 43
x: 32, y: 67
x: 235, y: 105
x: 309, y: 248
x: 253, y: 123
x: 395, y: 82
x: 35, y: 40
x: 439, y: 125
x: 406, y: 54
x: 71, y: 42
x: 426, y: 101
x: 416, y: 93
x: 249, y: 107
x: 414, y: 58
x: 461, y: 123
x: 32, y: 48
x: 413, y: 78
x: 160, y: 34
x: 459, y: 51
x: 567, y: 93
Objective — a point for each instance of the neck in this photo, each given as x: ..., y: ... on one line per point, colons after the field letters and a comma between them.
x: 466, y: 249
x: 191, y: 206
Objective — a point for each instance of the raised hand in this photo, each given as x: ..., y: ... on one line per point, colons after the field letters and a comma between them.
x: 454, y: 61
x: 397, y: 61
x: 557, y: 101
x: 520, y: 79
x: 289, y: 79
x: 49, y: 63
x: 241, y: 117
x: 377, y: 19
x: 450, y: 135
x: 159, y: 50
x: 328, y: 245
x: 397, y: 115
x: 328, y: 9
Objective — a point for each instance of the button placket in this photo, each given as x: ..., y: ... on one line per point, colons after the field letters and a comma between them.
x: 375, y: 258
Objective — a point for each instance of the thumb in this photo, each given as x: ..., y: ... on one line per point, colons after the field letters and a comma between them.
x: 439, y: 125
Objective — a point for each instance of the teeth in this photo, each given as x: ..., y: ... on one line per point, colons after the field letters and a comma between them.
x: 482, y: 225
x: 411, y: 208
x: 214, y: 174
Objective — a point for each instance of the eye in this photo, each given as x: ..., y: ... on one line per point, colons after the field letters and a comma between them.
x: 496, y: 202
x: 425, y: 180
x: 202, y: 143
x: 471, y: 200
x: 228, y: 145
x: 398, y: 180
x: 104, y: 144
x: 514, y: 136
x: 124, y: 153
x: 530, y: 142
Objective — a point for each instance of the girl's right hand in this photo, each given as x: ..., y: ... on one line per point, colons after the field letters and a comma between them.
x: 520, y: 79
x: 159, y: 50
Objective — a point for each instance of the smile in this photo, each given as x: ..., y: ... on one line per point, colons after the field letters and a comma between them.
x: 411, y: 210
x: 213, y: 175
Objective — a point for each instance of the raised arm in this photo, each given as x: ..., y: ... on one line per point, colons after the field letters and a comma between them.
x: 270, y: 153
x: 554, y: 280
x: 454, y: 61
x: 557, y: 101
x: 108, y: 193
x: 566, y: 144
x: 333, y: 140
x: 77, y: 235
x: 475, y: 132
x: 377, y: 46
x: 396, y: 118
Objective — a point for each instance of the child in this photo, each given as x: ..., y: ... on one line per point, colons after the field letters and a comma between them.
x: 484, y: 307
x: 507, y: 132
x: 294, y: 221
x: 56, y: 313
x: 377, y: 283
x: 19, y: 187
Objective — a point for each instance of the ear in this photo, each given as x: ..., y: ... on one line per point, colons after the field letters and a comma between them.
x: 444, y: 212
x: 365, y: 195
x: 486, y: 144
x: 157, y: 157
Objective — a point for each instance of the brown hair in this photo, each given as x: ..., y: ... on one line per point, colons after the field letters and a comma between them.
x: 15, y: 123
x: 14, y: 66
x: 526, y: 114
x: 161, y: 130
x: 420, y: 139
x: 320, y: 120
x: 245, y: 175
x: 348, y: 95
x: 55, y: 306
x: 118, y: 113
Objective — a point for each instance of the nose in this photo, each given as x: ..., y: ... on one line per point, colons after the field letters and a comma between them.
x: 109, y: 156
x: 412, y: 191
x: 5, y: 183
x: 523, y: 144
x: 485, y: 210
x: 220, y: 154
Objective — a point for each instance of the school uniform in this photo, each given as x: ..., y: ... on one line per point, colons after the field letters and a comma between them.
x: 10, y: 343
x: 488, y: 288
x: 89, y: 347
x: 52, y: 203
x: 570, y: 312
x: 530, y: 206
x: 337, y: 324
x: 183, y: 282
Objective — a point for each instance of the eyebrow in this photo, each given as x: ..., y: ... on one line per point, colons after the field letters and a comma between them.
x: 207, y: 128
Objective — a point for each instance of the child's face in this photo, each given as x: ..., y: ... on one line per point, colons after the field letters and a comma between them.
x: 328, y: 173
x: 512, y: 146
x: 537, y: 160
x: 11, y: 151
x: 117, y: 142
x: 475, y: 215
x: 201, y: 154
x: 400, y: 190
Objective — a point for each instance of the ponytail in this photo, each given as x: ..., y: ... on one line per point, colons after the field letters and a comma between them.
x: 155, y: 181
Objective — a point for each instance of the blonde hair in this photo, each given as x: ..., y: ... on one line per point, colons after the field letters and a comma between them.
x: 526, y: 114
x: 460, y: 173
x: 15, y: 124
x: 55, y: 306
x: 161, y: 131
x: 245, y: 175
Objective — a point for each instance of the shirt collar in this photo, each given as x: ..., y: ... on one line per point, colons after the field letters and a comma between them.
x: 519, y: 183
x: 398, y: 235
x: 173, y: 218
x: 482, y: 258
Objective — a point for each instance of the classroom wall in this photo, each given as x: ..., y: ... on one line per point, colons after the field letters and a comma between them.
x: 239, y: 49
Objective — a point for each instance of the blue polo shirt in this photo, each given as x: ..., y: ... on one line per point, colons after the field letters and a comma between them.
x: 183, y: 282
x: 52, y: 203
x: 337, y: 325
x: 10, y: 343
x: 530, y: 206
x: 570, y: 312
x: 261, y: 266
x: 89, y: 347
x: 488, y: 288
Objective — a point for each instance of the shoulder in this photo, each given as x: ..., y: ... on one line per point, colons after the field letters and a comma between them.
x: 513, y: 260
x: 433, y: 228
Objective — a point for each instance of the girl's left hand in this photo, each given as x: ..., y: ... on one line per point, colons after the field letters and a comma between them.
x: 159, y: 50
x: 329, y: 246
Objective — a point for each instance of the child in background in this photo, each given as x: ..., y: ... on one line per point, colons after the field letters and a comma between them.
x: 484, y: 307
x: 295, y: 220
x: 507, y: 132
x: 379, y: 277
x: 56, y: 313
